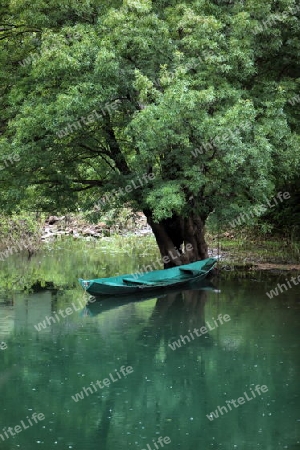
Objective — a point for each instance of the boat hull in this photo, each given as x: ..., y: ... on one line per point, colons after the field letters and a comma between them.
x: 150, y: 282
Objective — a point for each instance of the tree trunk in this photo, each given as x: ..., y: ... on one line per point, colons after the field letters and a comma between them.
x: 180, y: 239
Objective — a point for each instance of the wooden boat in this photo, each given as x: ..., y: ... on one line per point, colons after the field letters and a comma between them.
x: 150, y: 281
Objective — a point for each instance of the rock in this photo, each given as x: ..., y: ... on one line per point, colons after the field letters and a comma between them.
x: 53, y: 219
x: 47, y: 237
x: 88, y: 232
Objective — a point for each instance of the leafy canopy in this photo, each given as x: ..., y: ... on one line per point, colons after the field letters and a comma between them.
x: 97, y: 93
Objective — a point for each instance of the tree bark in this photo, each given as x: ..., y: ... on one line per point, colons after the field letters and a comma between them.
x: 180, y: 239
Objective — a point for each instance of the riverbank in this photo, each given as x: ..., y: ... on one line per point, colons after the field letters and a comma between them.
x: 58, y: 264
x: 235, y: 251
x: 253, y: 253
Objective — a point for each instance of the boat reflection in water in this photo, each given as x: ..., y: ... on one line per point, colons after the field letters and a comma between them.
x: 98, y: 305
x: 157, y: 368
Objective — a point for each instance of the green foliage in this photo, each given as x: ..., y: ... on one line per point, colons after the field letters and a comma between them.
x: 164, y: 79
x: 286, y: 216
x: 20, y: 227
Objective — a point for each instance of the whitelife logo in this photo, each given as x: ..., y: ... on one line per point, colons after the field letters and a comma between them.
x: 166, y: 440
x: 3, y: 345
x: 10, y: 160
x: 18, y: 428
x: 215, y: 414
x: 202, y: 330
x: 275, y: 292
x: 260, y: 209
x: 10, y: 250
x: 157, y: 264
x: 115, y: 193
x: 106, y: 381
x: 86, y: 120
x: 68, y: 311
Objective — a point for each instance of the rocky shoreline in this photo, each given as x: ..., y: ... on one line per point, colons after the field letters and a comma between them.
x: 56, y: 227
x: 77, y: 228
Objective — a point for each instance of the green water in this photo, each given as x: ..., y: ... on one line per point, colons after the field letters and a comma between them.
x: 168, y: 393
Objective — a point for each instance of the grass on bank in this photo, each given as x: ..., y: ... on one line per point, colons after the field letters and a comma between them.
x: 241, y: 246
x: 242, y: 249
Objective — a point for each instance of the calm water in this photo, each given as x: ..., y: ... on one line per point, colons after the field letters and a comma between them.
x: 167, y: 393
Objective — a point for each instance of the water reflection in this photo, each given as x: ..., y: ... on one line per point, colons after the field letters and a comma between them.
x: 97, y: 305
x: 170, y: 392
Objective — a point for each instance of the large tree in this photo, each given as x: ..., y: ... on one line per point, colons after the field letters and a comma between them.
x: 190, y: 101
